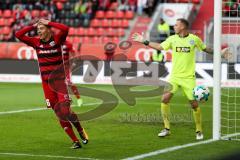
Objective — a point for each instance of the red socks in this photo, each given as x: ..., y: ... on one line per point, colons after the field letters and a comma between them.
x: 66, y: 125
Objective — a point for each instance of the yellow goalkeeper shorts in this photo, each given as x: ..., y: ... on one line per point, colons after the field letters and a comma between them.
x: 187, y: 85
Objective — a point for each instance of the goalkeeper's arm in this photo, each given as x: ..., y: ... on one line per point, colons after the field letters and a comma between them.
x: 225, y: 53
x: 139, y: 38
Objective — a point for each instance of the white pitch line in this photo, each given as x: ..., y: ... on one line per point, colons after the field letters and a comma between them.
x: 23, y: 110
x: 38, y: 109
x: 87, y: 104
x: 170, y: 149
x: 45, y: 156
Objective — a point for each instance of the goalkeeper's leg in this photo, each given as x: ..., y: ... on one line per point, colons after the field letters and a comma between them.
x: 165, y: 110
x: 198, y: 119
x: 187, y: 86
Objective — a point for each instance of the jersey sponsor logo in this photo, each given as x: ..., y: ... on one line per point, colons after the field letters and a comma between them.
x: 25, y: 52
x: 48, y: 51
x: 183, y: 49
x: 52, y: 43
x: 192, y: 42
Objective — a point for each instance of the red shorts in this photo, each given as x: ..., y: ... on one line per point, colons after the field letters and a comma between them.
x: 55, y: 92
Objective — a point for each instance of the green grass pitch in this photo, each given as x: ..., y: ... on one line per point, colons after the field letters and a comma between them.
x: 124, y: 132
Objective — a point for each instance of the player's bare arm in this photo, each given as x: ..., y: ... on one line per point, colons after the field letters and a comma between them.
x: 225, y: 53
x: 139, y: 38
x: 208, y: 50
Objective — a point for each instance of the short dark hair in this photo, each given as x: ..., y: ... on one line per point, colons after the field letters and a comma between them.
x: 184, y: 21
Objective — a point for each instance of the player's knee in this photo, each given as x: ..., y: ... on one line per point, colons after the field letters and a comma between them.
x: 62, y: 110
x: 166, y: 97
x: 194, y: 104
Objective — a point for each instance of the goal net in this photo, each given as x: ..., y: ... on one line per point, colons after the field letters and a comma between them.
x: 230, y: 71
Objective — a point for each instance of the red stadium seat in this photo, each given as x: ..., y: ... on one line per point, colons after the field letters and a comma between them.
x: 71, y: 31
x: 2, y: 22
x: 14, y: 12
x: 90, y: 32
x: 100, y: 32
x: 120, y: 32
x: 59, y: 5
x: 7, y: 37
x: 7, y: 13
x: 9, y: 21
x: 96, y: 40
x: 81, y: 31
x: 95, y: 23
x: 125, y: 23
x: 76, y: 39
x: 116, y: 23
x: 35, y: 13
x: 115, y: 40
x: 110, y: 32
x: 1, y: 13
x: 105, y: 40
x: 110, y: 14
x: 25, y: 12
x: 105, y: 23
x: 110, y: 22
x: 86, y: 40
x: 6, y: 30
x: 129, y: 14
x: 119, y: 14
x: 44, y: 13
x: 100, y: 14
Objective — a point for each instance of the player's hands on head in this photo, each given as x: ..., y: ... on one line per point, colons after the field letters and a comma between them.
x: 225, y: 53
x: 44, y: 21
x: 137, y: 37
x: 34, y: 22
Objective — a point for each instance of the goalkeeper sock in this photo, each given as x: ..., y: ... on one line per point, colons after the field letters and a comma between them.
x: 198, y: 119
x: 75, y: 91
x: 165, y: 109
x: 66, y: 125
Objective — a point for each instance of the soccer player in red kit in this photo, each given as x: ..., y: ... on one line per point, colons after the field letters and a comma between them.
x: 67, y: 50
x: 50, y: 61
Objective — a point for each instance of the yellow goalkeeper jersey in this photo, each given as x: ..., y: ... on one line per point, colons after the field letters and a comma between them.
x: 183, y: 54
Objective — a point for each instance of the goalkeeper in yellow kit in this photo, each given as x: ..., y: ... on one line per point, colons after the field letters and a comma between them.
x: 183, y: 45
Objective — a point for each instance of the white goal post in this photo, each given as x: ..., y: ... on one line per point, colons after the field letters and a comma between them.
x: 217, y: 70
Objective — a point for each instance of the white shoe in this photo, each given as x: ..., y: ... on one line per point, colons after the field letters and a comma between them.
x: 164, y: 132
x: 199, y: 135
x: 79, y: 102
